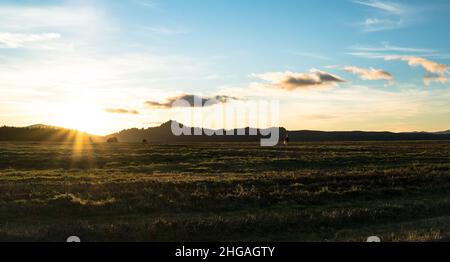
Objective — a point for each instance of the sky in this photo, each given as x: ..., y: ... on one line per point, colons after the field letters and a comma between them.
x: 106, y: 65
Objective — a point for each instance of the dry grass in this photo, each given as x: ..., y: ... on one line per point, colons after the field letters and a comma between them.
x: 304, y: 192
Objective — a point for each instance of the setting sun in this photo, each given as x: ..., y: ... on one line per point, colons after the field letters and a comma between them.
x: 86, y: 118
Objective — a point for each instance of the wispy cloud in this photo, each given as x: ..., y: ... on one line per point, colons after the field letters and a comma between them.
x: 387, y: 47
x: 442, y: 79
x: 319, y: 117
x: 165, y: 30
x: 415, y: 57
x: 23, y: 18
x: 190, y: 100
x: 437, y: 73
x: 14, y: 40
x: 50, y: 27
x: 430, y: 66
x: 370, y: 74
x: 121, y: 111
x: 146, y: 3
x: 376, y: 24
x: 311, y: 55
x: 387, y: 50
x: 389, y: 7
x: 386, y: 15
x: 291, y: 81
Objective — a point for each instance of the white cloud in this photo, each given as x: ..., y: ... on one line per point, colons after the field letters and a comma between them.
x: 25, y: 18
x: 428, y: 65
x: 437, y: 72
x: 370, y: 74
x: 14, y: 40
x: 52, y: 27
x: 429, y: 79
x: 292, y: 81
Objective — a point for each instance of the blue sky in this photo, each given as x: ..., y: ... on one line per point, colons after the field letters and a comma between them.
x: 69, y: 62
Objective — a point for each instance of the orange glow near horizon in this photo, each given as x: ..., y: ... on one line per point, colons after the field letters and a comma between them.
x: 84, y: 118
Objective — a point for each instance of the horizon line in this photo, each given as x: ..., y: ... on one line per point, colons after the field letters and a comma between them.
x: 203, y: 128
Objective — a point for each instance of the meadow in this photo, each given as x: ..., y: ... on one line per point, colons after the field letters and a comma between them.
x: 317, y: 191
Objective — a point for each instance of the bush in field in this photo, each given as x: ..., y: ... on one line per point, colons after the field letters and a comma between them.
x: 112, y: 140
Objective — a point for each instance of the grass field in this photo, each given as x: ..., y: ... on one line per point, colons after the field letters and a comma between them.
x: 399, y: 191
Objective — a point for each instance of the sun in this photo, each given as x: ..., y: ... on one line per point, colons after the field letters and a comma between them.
x: 82, y: 117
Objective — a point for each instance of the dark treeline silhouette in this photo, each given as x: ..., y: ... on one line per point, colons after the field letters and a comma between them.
x: 40, y: 133
x: 363, y: 136
x: 163, y: 134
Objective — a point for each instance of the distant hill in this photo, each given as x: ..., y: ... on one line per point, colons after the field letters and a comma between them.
x: 163, y: 134
x: 41, y: 133
x: 443, y: 132
x: 44, y: 126
x: 363, y: 136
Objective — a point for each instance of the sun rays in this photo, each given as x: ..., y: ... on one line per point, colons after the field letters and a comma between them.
x: 82, y: 145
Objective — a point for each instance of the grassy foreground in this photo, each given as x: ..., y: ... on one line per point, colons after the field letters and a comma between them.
x: 399, y: 191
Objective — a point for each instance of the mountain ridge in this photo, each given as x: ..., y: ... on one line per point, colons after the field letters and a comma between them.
x: 163, y: 133
x: 443, y: 132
